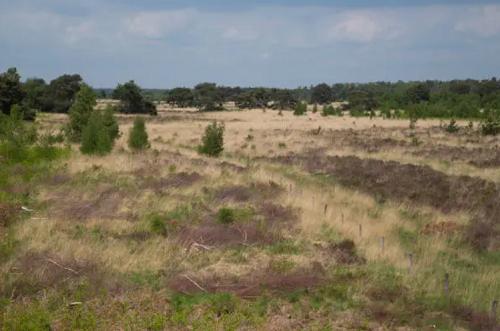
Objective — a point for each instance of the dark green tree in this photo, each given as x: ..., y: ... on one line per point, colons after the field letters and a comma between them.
x: 34, y: 89
x: 11, y: 91
x: 60, y: 93
x: 132, y: 99
x: 207, y: 97
x: 322, y: 94
x: 138, y: 137
x: 418, y: 93
x: 181, y: 97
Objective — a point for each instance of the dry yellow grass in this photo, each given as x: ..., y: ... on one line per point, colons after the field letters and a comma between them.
x: 251, y: 134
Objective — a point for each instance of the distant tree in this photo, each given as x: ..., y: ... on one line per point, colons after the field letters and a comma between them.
x: 132, y: 100
x: 60, y: 93
x: 34, y: 89
x: 181, y: 97
x: 80, y: 112
x: 96, y: 139
x: 361, y: 100
x: 212, y: 143
x: 138, y: 137
x: 322, y: 94
x: 459, y: 87
x: 284, y: 99
x: 11, y: 91
x: 418, y: 93
x: 207, y: 97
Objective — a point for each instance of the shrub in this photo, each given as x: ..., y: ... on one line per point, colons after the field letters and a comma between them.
x: 226, y: 216
x: 138, y: 138
x: 96, y: 138
x: 16, y: 136
x: 329, y: 111
x: 80, y: 112
x: 315, y: 108
x: 157, y: 224
x: 212, y: 140
x: 452, y: 127
x: 110, y: 122
x: 491, y: 126
x: 300, y: 109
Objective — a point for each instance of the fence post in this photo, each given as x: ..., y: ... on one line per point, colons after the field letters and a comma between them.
x: 446, y: 284
x: 410, y: 260
x: 360, y: 230
x: 494, y: 305
x: 326, y: 207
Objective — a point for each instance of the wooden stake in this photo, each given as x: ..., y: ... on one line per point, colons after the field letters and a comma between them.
x: 446, y: 284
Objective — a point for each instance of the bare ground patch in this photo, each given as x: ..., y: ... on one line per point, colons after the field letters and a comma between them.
x: 265, y: 228
x: 37, y: 271
x: 178, y: 180
x: 250, y: 285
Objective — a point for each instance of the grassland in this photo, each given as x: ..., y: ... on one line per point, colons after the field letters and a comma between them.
x: 304, y: 223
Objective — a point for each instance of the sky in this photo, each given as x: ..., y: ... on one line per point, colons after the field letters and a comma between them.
x: 279, y: 43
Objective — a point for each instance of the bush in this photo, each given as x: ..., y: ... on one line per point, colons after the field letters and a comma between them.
x: 452, y: 127
x: 110, y: 122
x: 330, y: 111
x: 226, y: 216
x: 79, y: 113
x: 491, y: 126
x: 138, y: 138
x: 300, y: 109
x: 96, y: 138
x: 16, y: 136
x: 212, y: 140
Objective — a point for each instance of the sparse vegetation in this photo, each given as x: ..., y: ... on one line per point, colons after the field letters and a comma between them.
x: 305, y: 218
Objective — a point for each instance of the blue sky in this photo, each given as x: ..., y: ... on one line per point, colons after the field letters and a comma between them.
x: 284, y: 43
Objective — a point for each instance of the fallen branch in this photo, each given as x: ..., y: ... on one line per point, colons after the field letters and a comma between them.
x: 195, y: 283
x: 61, y: 266
x: 195, y: 244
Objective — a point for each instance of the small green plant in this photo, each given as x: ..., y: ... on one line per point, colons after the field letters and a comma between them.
x: 212, y: 140
x: 329, y: 111
x: 226, y: 216
x: 491, y: 126
x: 281, y: 145
x: 249, y: 137
x: 138, y: 137
x: 157, y: 224
x: 452, y: 127
x: 96, y: 139
x: 300, y: 109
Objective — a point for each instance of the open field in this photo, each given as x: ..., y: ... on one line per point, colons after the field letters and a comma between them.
x: 304, y: 223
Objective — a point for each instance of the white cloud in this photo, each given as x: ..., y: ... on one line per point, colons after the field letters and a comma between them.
x: 240, y: 34
x: 483, y: 21
x: 362, y: 27
x: 158, y: 24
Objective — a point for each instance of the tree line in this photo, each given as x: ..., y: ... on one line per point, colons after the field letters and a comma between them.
x: 429, y: 99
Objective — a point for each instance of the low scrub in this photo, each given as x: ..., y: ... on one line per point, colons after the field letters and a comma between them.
x: 212, y: 142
